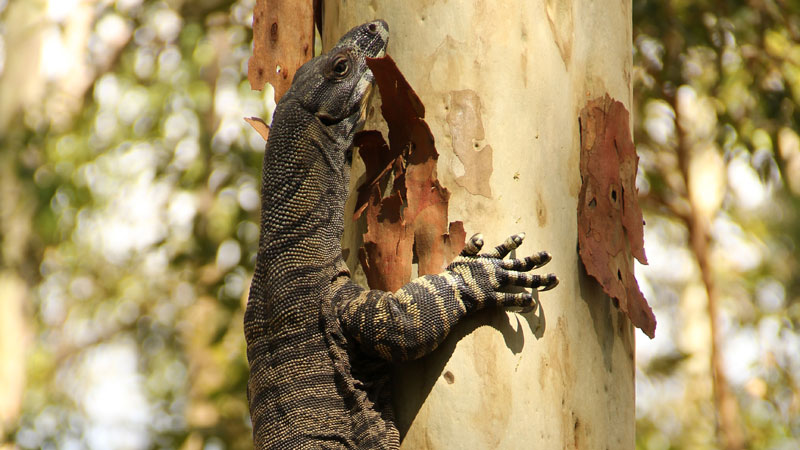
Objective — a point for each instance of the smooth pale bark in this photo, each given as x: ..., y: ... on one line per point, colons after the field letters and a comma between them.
x: 513, y: 76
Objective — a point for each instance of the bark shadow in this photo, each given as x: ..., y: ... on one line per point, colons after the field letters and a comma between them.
x: 600, y: 311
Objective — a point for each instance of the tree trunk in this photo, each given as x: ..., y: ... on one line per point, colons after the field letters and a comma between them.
x: 503, y: 84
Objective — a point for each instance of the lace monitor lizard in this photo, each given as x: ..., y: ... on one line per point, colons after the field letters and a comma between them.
x: 319, y: 346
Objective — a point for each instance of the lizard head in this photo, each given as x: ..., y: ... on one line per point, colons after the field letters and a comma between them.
x: 335, y: 86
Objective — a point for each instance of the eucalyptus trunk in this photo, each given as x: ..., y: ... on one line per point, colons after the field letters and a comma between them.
x: 503, y: 83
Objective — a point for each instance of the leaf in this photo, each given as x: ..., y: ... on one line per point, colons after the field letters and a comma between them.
x: 610, y: 225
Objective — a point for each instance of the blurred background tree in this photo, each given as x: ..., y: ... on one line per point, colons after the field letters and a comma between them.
x: 129, y: 226
x: 129, y: 207
x: 716, y: 88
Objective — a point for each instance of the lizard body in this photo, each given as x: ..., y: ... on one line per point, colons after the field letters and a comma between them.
x: 318, y: 344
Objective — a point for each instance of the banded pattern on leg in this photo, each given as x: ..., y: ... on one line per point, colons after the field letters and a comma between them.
x: 491, y: 270
x: 413, y: 321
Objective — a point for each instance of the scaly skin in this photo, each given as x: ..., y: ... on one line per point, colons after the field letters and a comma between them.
x: 317, y: 343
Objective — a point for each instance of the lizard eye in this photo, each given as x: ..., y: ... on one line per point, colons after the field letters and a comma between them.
x: 341, y: 66
x: 372, y: 28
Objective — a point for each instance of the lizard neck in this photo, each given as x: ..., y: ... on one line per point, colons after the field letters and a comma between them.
x: 304, y: 189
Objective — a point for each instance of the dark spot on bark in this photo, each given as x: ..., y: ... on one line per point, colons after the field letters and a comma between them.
x: 449, y: 377
x: 273, y: 32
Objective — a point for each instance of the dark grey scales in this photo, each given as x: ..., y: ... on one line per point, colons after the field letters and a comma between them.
x: 318, y: 344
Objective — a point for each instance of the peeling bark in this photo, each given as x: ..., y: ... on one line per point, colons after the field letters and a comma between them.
x: 412, y: 218
x: 259, y: 125
x: 610, y: 225
x: 466, y: 129
x: 283, y: 40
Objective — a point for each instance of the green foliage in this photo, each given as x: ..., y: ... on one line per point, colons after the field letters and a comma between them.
x: 716, y: 89
x: 144, y: 234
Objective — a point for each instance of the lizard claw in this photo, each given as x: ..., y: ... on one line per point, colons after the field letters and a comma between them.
x: 473, y: 246
x: 550, y: 281
x: 503, y: 249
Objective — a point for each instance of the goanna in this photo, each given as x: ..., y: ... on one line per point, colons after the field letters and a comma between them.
x: 318, y: 344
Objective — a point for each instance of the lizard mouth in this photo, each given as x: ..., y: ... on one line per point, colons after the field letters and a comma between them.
x: 366, y: 84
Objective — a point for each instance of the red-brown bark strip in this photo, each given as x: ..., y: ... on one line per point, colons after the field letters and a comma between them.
x: 610, y: 225
x: 259, y: 125
x: 412, y: 218
x: 283, y: 40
